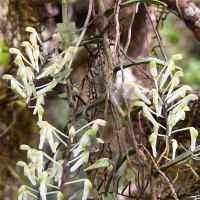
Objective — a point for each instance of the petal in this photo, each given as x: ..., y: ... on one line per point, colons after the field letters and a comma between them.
x: 84, y: 158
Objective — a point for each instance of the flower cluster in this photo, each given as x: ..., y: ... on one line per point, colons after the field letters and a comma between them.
x: 30, y: 70
x: 169, y: 94
x: 46, y: 178
x: 35, y: 172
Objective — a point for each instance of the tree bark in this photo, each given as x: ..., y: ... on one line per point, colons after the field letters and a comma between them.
x: 188, y: 12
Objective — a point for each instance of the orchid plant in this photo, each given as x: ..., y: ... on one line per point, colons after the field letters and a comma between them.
x: 46, y: 180
x: 169, y: 94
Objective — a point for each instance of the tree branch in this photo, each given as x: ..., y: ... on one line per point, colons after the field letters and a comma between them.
x: 188, y: 12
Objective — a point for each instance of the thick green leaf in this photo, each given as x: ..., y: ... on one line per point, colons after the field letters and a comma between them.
x: 179, y: 158
x: 62, y: 76
x: 67, y: 31
x: 103, y: 162
x: 141, y: 61
x: 132, y: 2
x: 92, y: 41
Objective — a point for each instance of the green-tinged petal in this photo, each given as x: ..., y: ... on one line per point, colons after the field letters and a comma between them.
x: 194, y: 134
x: 177, y: 57
x: 14, y: 51
x: 153, y: 69
x: 174, y: 147
x: 153, y: 141
x: 101, y: 122
x: 87, y: 189
x: 60, y: 196
x: 83, y: 159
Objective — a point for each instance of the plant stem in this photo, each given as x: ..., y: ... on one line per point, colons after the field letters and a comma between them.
x: 64, y: 12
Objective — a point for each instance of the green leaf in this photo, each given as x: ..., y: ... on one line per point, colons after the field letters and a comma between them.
x: 92, y: 41
x: 132, y: 2
x: 141, y: 61
x: 179, y: 158
x: 67, y: 31
x: 62, y: 76
x: 103, y: 162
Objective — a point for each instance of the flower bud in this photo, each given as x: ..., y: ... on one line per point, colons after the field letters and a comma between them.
x: 72, y: 133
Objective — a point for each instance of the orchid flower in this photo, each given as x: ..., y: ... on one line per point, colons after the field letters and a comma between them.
x: 83, y: 158
x: 29, y: 171
x: 153, y: 69
x: 181, y: 92
x: 68, y: 55
x: 82, y: 143
x: 171, y: 121
x: 15, y: 85
x: 174, y: 82
x: 47, y: 132
x: 46, y: 88
x: 29, y: 52
x: 139, y: 91
x: 87, y: 187
x: 194, y: 134
x: 157, y: 102
x: 169, y: 70
x: 147, y: 112
x: 57, y: 171
x: 35, y: 156
x: 174, y: 147
x: 60, y: 196
x: 153, y: 142
x: 44, y: 180
x: 33, y: 36
x: 51, y: 70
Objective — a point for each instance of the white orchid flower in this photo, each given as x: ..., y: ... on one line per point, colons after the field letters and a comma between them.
x: 174, y: 82
x: 46, y: 88
x: 83, y: 158
x: 47, y: 132
x: 153, y: 142
x: 68, y: 55
x: 87, y: 187
x: 57, y: 171
x: 174, y: 147
x: 44, y: 180
x: 51, y: 70
x: 194, y: 134
x: 153, y: 69
x: 22, y: 193
x: 15, y: 85
x: 181, y: 92
x: 170, y: 68
x: 157, y: 102
x: 29, y: 171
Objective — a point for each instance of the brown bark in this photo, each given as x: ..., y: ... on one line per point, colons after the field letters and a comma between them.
x: 188, y: 12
